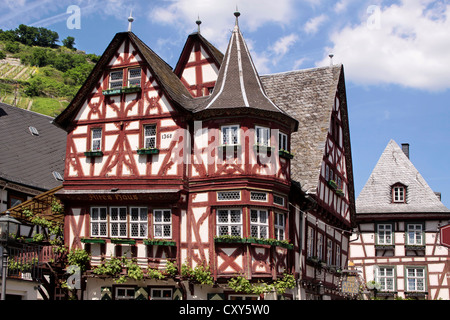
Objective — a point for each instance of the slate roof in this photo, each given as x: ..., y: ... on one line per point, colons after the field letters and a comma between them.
x: 27, y: 159
x: 395, y: 167
x: 308, y: 96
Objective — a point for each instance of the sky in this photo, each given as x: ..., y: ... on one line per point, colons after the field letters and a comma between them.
x: 395, y: 56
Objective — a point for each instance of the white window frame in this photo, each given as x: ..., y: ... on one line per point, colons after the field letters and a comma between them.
x: 234, y: 195
x: 258, y: 196
x: 319, y: 248
x: 163, y: 224
x: 338, y: 255
x: 384, y: 234
x: 231, y: 226
x: 329, y: 252
x: 259, y: 223
x: 310, y: 242
x: 149, y: 137
x: 115, y: 83
x: 161, y: 290
x: 243, y: 297
x: 135, y: 78
x: 282, y: 141
x: 124, y: 297
x: 414, y: 232
x: 262, y: 136
x: 415, y: 282
x: 385, y: 276
x: 398, y: 194
x: 279, y: 226
x: 121, y: 222
x: 141, y: 223
x: 96, y: 139
x: 99, y: 221
x: 230, y: 135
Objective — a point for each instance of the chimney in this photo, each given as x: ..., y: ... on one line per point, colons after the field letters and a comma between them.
x: 405, y: 149
x: 438, y: 195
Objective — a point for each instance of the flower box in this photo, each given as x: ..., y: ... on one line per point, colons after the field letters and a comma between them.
x: 160, y: 242
x: 414, y: 247
x: 123, y: 241
x: 285, y: 154
x: 384, y: 247
x: 131, y: 89
x: 97, y: 153
x: 332, y: 184
x: 116, y: 91
x: 339, y: 192
x: 86, y: 240
x: 148, y: 151
x: 111, y: 92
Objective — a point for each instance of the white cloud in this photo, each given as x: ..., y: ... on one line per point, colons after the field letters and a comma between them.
x: 407, y: 44
x: 282, y: 46
x: 341, y: 6
x: 313, y: 25
x: 217, y: 16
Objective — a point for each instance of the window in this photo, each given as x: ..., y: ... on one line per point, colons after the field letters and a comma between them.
x: 229, y: 222
x: 385, y: 277
x: 278, y: 200
x: 414, y: 234
x: 230, y: 135
x: 150, y: 136
x: 282, y: 141
x: 258, y: 196
x: 162, y: 224
x: 398, y: 194
x: 228, y: 195
x: 329, y: 252
x: 415, y: 279
x: 242, y: 297
x: 134, y: 77
x: 384, y: 234
x: 138, y: 222
x: 122, y: 293
x: 160, y: 294
x: 338, y: 255
x: 279, y: 226
x: 259, y: 224
x: 96, y: 141
x: 262, y: 136
x: 115, y: 79
x: 320, y: 246
x: 118, y: 222
x: 99, y: 222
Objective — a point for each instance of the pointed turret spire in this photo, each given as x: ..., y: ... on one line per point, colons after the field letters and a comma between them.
x: 238, y: 84
x: 237, y: 14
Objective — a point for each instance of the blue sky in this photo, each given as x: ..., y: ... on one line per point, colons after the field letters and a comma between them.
x: 395, y: 57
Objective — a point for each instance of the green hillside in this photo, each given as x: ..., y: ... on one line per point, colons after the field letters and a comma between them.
x: 36, y: 73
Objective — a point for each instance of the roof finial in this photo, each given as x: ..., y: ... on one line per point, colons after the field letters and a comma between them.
x: 237, y: 14
x: 130, y: 20
x: 198, y: 22
x: 331, y: 59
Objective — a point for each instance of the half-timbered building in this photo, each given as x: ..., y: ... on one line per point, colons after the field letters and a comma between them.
x: 194, y: 166
x: 397, y: 247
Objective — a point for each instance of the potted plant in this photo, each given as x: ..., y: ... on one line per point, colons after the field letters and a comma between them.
x: 285, y: 154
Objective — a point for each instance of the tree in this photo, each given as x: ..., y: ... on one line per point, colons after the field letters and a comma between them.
x: 69, y: 42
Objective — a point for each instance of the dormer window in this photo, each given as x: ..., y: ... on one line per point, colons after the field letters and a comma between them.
x: 398, y: 193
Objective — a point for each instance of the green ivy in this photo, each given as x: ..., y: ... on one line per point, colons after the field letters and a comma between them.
x: 78, y: 257
x: 200, y: 274
x: 241, y: 284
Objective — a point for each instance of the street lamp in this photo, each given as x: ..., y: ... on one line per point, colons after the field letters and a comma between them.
x: 8, y: 226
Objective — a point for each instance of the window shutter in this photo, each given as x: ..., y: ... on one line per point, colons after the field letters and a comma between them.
x: 106, y: 293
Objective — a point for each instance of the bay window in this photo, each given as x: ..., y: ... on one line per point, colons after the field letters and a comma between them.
x: 259, y: 224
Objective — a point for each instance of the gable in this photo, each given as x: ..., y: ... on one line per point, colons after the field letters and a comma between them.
x: 392, y: 168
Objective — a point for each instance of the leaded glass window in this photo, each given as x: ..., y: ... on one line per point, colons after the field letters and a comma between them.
x: 229, y: 222
x: 259, y: 224
x: 162, y: 223
x: 150, y: 136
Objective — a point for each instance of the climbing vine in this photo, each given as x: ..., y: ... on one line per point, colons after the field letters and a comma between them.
x: 241, y: 284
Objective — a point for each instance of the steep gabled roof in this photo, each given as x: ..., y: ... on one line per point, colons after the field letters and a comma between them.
x: 308, y: 96
x: 215, y: 53
x: 30, y: 159
x: 395, y: 167
x: 163, y: 73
